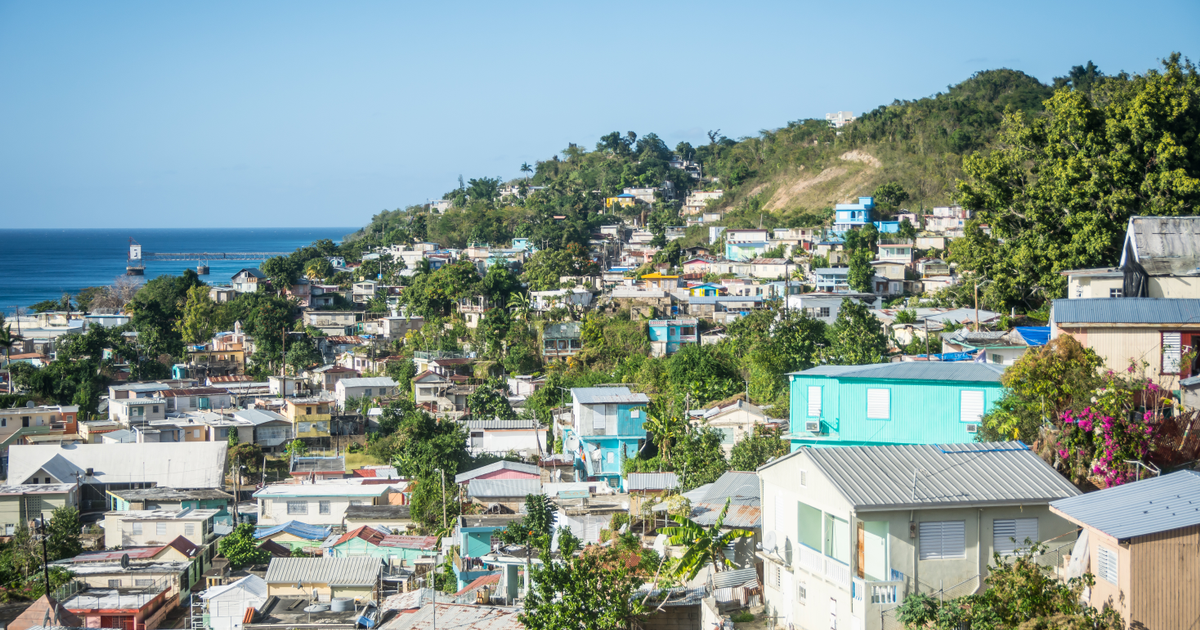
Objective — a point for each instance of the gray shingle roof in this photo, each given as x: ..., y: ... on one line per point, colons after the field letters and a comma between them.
x: 361, y: 571
x: 496, y: 466
x: 607, y: 395
x: 1126, y: 311
x: 913, y: 371
x: 986, y: 473
x: 1158, y: 504
x: 499, y: 488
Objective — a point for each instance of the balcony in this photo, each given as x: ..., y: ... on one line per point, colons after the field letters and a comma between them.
x: 870, y: 598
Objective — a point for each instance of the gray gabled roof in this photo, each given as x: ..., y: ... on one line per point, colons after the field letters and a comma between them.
x: 1126, y: 310
x: 497, y: 424
x: 1158, y: 504
x: 913, y: 371
x: 943, y: 475
x: 734, y: 485
x: 1164, y: 245
x: 500, y: 488
x: 360, y: 571
x: 607, y: 395
x: 651, y: 481
x: 497, y: 466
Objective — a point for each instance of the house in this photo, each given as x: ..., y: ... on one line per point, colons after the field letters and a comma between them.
x: 178, y: 565
x: 39, y: 612
x: 196, y: 398
x: 1139, y: 540
x: 771, y: 268
x: 324, y: 579
x: 1158, y: 331
x: 1161, y: 257
x: 475, y: 536
x: 23, y: 503
x: 148, y: 528
x: 837, y: 120
x: 546, y: 300
x: 698, y: 264
x: 561, y: 340
x: 225, y: 606
x: 19, y: 424
x: 648, y: 488
x: 502, y: 469
x: 317, y: 504
x: 294, y: 535
x: 999, y: 347
x: 434, y: 615
x: 949, y: 221
x: 311, y: 417
x: 825, y: 306
x: 391, y: 549
x: 137, y: 608
x: 850, y: 216
x: 850, y: 532
x: 133, y: 412
x: 374, y: 387
x: 441, y: 395
x: 271, y: 430
x: 172, y: 500
x: 393, y: 517
x: 331, y: 322
x: 502, y: 494
x: 606, y: 429
x: 524, y: 437
x: 831, y: 280
x: 706, y: 289
x: 746, y: 245
x: 247, y: 280
x: 896, y: 252
x: 921, y: 402
x: 317, y: 468
x: 326, y: 377
x: 667, y: 336
x: 736, y: 420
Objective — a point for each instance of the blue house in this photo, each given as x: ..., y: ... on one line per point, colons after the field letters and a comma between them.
x: 474, y: 536
x: 850, y: 216
x: 667, y: 336
x: 916, y: 402
x: 606, y: 429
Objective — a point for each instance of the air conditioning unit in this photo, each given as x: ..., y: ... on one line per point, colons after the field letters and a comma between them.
x: 812, y: 426
x: 972, y: 428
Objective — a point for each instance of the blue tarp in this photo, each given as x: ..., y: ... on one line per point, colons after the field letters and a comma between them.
x: 1034, y: 335
x: 952, y: 356
x: 297, y: 529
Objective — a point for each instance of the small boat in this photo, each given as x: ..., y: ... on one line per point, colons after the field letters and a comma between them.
x: 368, y: 617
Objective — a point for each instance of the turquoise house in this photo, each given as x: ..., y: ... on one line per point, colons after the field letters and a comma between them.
x: 392, y: 549
x: 475, y: 535
x: 161, y: 498
x: 667, y: 336
x: 606, y: 429
x: 915, y: 402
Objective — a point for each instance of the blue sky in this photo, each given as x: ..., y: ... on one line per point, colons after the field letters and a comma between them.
x: 319, y: 113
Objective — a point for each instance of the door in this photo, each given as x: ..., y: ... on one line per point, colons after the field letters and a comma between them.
x: 860, y: 555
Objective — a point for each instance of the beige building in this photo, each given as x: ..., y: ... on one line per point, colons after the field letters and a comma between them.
x: 735, y: 420
x: 26, y: 502
x: 326, y: 578
x: 154, y: 528
x: 315, y: 503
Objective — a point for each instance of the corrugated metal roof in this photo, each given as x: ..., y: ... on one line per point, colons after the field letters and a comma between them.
x: 386, y: 512
x: 652, y: 481
x: 488, y: 425
x: 745, y: 513
x: 251, y: 584
x: 375, y: 381
x: 1143, y: 507
x: 458, y: 616
x: 733, y: 484
x: 913, y: 371
x: 494, y: 467
x: 927, y: 475
x: 295, y: 528
x: 607, y: 395
x: 1126, y: 310
x: 360, y: 571
x: 496, y: 488
x: 736, y: 577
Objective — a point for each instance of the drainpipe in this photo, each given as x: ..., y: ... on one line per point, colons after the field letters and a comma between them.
x: 916, y: 542
x: 981, y: 560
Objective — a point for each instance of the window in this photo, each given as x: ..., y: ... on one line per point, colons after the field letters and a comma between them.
x: 814, y: 401
x: 970, y: 406
x: 611, y: 457
x: 136, y: 530
x: 801, y: 594
x: 154, y: 409
x: 995, y: 358
x: 196, y: 433
x: 3, y: 422
x: 143, y: 582
x: 160, y: 529
x: 1009, y: 534
x: 803, y: 478
x: 1106, y: 564
x: 297, y: 507
x: 8, y: 529
x: 1116, y: 293
x: 823, y: 311
x: 367, y: 392
x: 356, y: 502
x: 879, y: 404
x: 689, y: 331
x: 1172, y: 351
x: 114, y: 584
x: 308, y: 411
x: 323, y: 507
x: 943, y: 540
x: 48, y: 482
x: 189, y: 529
x: 636, y: 413
x: 776, y: 575
x: 24, y: 421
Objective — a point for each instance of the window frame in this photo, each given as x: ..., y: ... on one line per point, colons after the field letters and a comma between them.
x: 1006, y: 547
x: 809, y: 400
x: 160, y: 529
x: 324, y: 507
x: 962, y: 406
x: 292, y: 508
x: 1162, y: 362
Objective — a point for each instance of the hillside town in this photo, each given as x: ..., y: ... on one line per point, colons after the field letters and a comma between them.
x: 219, y: 496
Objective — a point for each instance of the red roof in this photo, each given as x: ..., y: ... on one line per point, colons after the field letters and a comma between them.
x: 410, y: 542
x: 135, y: 553
x: 480, y: 582
x: 275, y: 549
x: 184, y: 546
x: 192, y: 391
x: 370, y: 534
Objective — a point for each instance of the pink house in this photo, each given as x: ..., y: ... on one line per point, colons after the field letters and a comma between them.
x: 696, y: 265
x: 500, y: 470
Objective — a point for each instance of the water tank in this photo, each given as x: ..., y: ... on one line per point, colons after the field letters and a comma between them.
x: 202, y: 270
x: 315, y: 608
x: 341, y: 604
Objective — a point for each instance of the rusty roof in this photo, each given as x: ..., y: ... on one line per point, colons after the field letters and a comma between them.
x: 410, y: 542
x: 371, y: 535
x: 192, y: 391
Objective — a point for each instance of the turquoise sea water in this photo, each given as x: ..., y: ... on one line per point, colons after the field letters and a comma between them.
x: 42, y: 264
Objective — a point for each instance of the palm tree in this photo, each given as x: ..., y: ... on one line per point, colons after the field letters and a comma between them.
x: 526, y: 168
x: 520, y: 305
x: 704, y: 545
x: 7, y: 341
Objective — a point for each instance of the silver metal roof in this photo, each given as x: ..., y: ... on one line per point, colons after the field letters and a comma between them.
x: 360, y: 571
x: 496, y: 466
x: 609, y: 395
x: 733, y: 484
x: 942, y: 475
x: 1164, y: 245
x: 483, y: 425
x: 913, y: 371
x: 1149, y: 506
x: 497, y: 488
x: 1126, y: 311
x: 374, y: 381
x: 652, y: 481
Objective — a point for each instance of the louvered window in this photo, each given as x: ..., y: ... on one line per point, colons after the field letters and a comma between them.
x: 943, y: 540
x: 1172, y: 350
x: 1106, y: 564
x: 1010, y: 534
x: 879, y: 404
x: 814, y: 402
x: 970, y: 406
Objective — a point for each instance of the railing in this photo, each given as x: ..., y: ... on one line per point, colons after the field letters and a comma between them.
x: 885, y: 592
x: 837, y: 572
x: 811, y: 559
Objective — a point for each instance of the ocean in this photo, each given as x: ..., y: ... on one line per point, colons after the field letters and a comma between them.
x: 42, y: 264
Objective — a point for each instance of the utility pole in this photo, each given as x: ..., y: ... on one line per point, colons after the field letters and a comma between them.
x: 45, y: 559
x: 237, y: 487
x: 927, y: 357
x: 976, y: 305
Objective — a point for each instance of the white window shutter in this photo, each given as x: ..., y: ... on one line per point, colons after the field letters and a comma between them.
x: 1172, y: 352
x: 971, y: 406
x: 941, y: 540
x: 879, y: 404
x: 780, y: 520
x: 1006, y: 531
x: 1107, y: 565
x: 814, y: 402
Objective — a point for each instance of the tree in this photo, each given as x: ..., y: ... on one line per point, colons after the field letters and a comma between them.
x: 62, y: 534
x: 1040, y: 387
x: 856, y: 337
x: 1058, y: 189
x: 201, y: 317
x: 282, y: 271
x: 597, y: 590
x: 489, y: 401
x: 302, y: 355
x: 758, y: 448
x: 248, y: 453
x: 862, y: 274
x: 296, y: 448
x: 536, y: 526
x: 907, y: 230
x: 664, y: 428
x: 241, y: 549
x: 318, y: 269
x: 890, y: 195
x: 699, y: 457
x: 7, y: 341
x: 703, y: 545
x: 403, y: 372
x: 906, y: 316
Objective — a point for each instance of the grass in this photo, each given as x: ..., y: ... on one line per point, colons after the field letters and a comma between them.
x: 358, y: 460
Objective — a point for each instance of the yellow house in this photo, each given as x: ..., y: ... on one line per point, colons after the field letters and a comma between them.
x: 20, y: 504
x: 661, y: 281
x: 301, y: 578
x: 621, y: 200
x: 310, y: 417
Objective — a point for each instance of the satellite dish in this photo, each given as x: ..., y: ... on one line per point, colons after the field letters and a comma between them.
x: 29, y: 404
x: 769, y: 542
x: 124, y: 561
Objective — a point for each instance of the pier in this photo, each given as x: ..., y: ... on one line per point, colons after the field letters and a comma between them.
x: 135, y: 266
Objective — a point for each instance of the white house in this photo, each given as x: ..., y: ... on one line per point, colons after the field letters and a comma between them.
x: 545, y: 300
x: 225, y: 606
x: 372, y: 387
x: 247, y: 280
x: 849, y: 532
x: 525, y: 437
x: 322, y: 503
x: 150, y: 528
x: 825, y: 306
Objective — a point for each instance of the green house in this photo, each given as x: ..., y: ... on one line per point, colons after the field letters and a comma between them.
x: 20, y: 504
x: 917, y: 402
x: 395, y: 550
x: 135, y: 499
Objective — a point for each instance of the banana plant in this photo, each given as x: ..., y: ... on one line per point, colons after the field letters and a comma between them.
x: 704, y: 545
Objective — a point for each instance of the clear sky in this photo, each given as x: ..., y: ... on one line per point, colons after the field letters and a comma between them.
x: 181, y: 114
